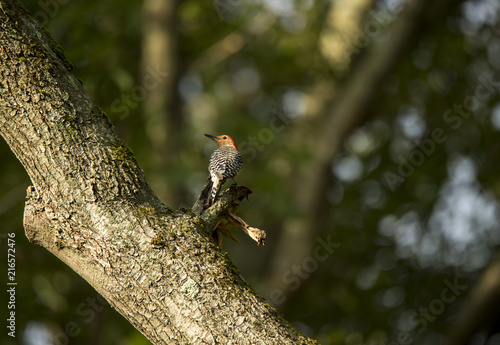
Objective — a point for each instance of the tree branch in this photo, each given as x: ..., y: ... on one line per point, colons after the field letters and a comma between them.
x: 255, y: 234
x: 481, y: 308
x: 220, y: 216
x: 91, y: 206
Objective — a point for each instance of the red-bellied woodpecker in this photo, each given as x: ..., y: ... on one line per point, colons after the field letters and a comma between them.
x: 225, y: 163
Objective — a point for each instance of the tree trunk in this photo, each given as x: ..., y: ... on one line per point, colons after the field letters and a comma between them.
x: 91, y: 206
x: 341, y: 113
x: 161, y: 107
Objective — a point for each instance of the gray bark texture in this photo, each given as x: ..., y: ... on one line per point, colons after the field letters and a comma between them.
x: 90, y: 205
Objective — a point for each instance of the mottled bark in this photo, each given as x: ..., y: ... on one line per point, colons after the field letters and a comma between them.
x: 90, y: 205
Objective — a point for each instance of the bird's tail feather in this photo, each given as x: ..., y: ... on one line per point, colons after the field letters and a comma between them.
x: 206, y: 193
x: 214, y: 192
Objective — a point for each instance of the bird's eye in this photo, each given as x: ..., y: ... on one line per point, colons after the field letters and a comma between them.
x: 224, y: 137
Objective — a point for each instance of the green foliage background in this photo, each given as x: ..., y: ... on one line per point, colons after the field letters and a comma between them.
x: 398, y: 245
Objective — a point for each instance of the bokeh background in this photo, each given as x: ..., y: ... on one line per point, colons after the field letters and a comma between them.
x: 370, y: 134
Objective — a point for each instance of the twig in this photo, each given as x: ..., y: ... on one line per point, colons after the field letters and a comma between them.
x: 255, y: 234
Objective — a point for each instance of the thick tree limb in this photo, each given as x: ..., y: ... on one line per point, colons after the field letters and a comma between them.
x: 91, y: 206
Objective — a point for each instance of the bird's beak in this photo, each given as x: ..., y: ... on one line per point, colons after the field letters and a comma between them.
x: 212, y: 137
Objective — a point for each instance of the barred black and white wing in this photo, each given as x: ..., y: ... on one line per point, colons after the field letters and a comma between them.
x: 225, y: 163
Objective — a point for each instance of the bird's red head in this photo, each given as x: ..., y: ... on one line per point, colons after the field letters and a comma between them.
x: 223, y: 140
